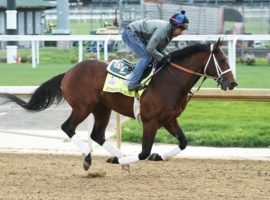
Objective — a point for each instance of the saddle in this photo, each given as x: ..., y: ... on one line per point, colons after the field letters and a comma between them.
x: 121, y: 68
x: 118, y: 74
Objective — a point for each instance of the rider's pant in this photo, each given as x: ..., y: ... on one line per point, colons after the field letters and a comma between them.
x: 136, y: 45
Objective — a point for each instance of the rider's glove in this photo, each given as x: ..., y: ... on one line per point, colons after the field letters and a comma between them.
x: 165, y: 60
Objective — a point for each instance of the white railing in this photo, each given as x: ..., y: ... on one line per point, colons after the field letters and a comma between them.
x: 35, y: 39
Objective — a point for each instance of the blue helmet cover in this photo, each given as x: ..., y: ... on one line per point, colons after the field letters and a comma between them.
x: 180, y: 18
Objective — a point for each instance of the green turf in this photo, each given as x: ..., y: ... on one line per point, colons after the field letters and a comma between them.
x: 216, y: 123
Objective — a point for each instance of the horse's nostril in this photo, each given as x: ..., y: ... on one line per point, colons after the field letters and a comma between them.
x: 234, y: 84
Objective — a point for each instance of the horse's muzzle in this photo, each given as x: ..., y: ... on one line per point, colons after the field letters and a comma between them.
x: 226, y: 85
x: 232, y: 85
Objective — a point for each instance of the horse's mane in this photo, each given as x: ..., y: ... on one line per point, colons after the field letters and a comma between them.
x: 187, y: 51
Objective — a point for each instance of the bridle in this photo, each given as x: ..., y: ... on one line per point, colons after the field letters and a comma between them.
x: 218, y: 69
x: 220, y: 73
x: 219, y: 77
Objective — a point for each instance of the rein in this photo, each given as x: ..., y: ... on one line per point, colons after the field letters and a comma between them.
x: 191, y: 71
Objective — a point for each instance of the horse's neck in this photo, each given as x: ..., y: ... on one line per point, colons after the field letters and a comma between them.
x: 187, y: 80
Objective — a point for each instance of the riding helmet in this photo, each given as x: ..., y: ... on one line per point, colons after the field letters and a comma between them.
x: 179, y: 20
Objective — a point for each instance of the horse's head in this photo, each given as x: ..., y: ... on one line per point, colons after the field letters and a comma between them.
x: 217, y: 66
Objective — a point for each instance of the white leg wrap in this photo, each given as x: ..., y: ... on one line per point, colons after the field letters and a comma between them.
x: 128, y: 159
x: 113, y: 150
x: 84, y: 148
x: 171, y: 153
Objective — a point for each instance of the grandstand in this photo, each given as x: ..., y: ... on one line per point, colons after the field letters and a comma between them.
x: 223, y: 2
x: 203, y: 19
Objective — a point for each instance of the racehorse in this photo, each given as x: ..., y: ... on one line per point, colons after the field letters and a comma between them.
x: 160, y: 104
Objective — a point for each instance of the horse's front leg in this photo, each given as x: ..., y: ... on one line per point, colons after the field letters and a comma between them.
x: 149, y: 133
x: 176, y: 131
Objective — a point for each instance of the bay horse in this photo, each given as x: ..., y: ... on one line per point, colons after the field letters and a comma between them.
x: 160, y: 104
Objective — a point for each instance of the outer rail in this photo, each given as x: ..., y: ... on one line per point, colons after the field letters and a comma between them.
x: 243, y: 94
x: 246, y: 94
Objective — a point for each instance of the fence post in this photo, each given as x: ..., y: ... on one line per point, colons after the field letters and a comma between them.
x: 106, y: 41
x: 98, y: 50
x: 37, y: 51
x: 232, y: 54
x: 33, y: 46
x: 80, y: 58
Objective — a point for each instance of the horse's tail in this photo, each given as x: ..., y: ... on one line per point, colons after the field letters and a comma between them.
x: 43, y: 97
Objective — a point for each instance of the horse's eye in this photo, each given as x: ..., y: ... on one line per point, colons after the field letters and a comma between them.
x: 222, y: 61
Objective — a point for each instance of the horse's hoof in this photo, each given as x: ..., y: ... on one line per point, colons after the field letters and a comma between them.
x: 87, y: 162
x: 113, y: 160
x: 183, y: 145
x: 155, y: 157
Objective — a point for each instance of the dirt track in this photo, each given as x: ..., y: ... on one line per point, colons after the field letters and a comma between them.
x: 25, y: 176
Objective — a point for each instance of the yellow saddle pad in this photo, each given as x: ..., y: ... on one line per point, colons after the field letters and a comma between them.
x: 115, y: 84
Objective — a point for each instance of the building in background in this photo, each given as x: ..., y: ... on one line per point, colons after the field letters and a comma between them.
x: 29, y: 16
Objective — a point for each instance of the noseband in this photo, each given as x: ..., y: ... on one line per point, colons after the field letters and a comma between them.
x: 220, y: 73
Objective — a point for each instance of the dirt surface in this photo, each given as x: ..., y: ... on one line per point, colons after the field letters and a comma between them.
x: 34, y: 176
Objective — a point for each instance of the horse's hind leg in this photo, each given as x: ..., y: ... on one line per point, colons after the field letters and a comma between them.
x: 149, y: 133
x: 102, y: 116
x: 69, y: 127
x: 174, y: 129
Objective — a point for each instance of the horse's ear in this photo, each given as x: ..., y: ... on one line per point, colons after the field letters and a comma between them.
x: 222, y: 42
x: 218, y: 43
